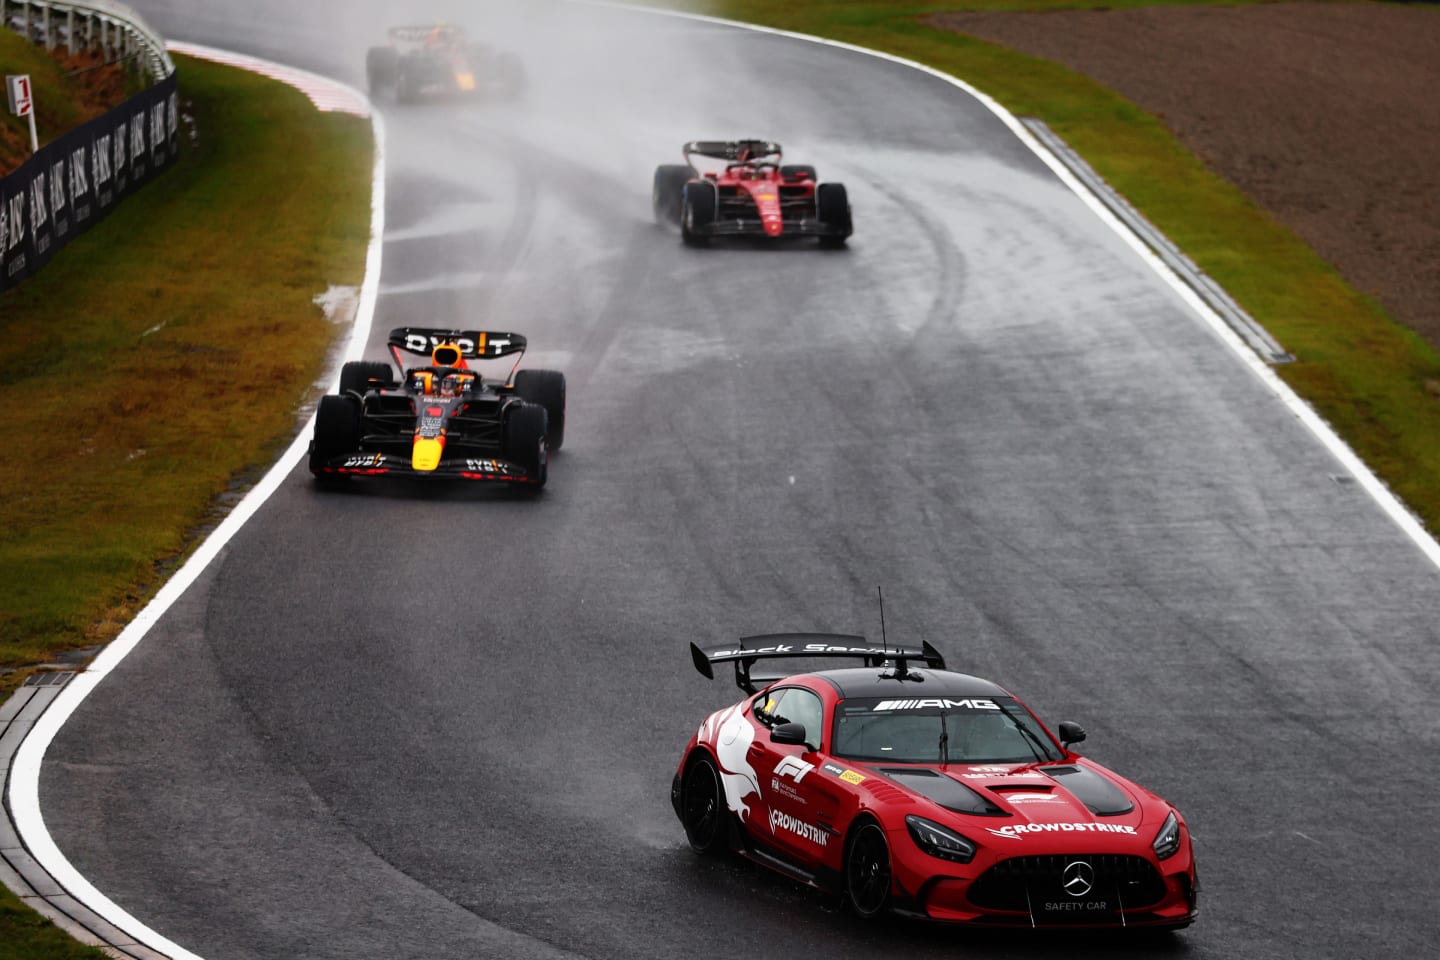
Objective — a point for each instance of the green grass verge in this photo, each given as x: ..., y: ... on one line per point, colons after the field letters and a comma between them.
x: 25, y: 935
x: 165, y: 352
x: 1374, y: 380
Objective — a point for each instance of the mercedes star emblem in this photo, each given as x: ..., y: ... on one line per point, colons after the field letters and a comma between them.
x: 1078, y: 878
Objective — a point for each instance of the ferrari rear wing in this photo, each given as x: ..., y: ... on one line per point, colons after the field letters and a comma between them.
x: 732, y: 150
x: 778, y: 645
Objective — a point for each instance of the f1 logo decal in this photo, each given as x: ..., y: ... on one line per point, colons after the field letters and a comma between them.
x: 793, y: 767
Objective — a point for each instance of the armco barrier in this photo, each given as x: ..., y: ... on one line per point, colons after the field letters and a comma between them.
x: 77, y: 179
x: 88, y: 25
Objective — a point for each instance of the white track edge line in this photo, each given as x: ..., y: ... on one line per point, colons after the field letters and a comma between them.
x: 1383, y: 496
x: 24, y: 793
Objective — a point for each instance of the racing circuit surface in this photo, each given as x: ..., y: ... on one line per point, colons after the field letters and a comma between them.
x: 421, y: 721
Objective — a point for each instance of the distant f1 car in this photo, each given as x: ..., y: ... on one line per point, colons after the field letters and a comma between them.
x: 436, y: 61
x: 935, y: 794
x: 755, y: 195
x: 442, y: 419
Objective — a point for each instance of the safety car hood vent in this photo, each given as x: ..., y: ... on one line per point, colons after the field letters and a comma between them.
x: 1099, y: 795
x: 943, y: 790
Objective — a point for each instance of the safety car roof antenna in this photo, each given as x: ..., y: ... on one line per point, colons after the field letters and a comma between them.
x: 902, y: 670
x: 884, y: 643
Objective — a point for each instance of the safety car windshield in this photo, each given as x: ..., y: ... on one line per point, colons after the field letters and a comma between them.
x: 939, y: 730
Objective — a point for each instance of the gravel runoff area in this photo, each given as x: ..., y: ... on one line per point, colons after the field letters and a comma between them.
x: 1327, y: 114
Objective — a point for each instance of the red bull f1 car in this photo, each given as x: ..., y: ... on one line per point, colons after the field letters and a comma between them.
x: 437, y: 62
x: 754, y: 195
x: 442, y: 418
x: 904, y: 787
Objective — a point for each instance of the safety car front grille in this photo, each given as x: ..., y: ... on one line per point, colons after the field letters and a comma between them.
x: 1015, y: 883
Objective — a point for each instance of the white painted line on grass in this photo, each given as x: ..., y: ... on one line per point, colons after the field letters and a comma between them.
x: 24, y: 793
x: 1390, y: 504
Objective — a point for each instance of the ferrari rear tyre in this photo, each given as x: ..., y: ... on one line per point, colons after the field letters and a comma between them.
x: 832, y: 208
x: 702, y: 807
x: 547, y: 388
x: 337, y: 431
x: 697, y: 212
x: 524, y: 442
x: 670, y: 180
x: 359, y: 376
x: 867, y: 871
x: 791, y: 171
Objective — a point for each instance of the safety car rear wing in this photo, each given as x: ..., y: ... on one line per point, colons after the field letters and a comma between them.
x: 805, y: 645
x: 732, y: 150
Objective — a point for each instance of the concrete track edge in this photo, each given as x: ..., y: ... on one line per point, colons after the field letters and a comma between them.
x: 31, y: 864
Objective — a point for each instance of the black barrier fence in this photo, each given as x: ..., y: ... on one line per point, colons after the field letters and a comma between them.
x: 75, y: 180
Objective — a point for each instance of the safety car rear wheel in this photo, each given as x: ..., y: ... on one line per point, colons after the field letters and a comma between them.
x: 867, y: 870
x: 832, y: 208
x: 697, y: 212
x: 524, y: 441
x: 358, y: 376
x: 702, y: 807
x: 547, y: 388
x: 666, y: 197
x: 337, y: 431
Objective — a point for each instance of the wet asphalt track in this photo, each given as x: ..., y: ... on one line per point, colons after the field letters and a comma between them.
x: 406, y: 721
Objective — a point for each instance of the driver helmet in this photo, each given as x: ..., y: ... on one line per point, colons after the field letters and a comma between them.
x: 450, y: 385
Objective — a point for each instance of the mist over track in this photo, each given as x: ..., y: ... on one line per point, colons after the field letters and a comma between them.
x: 415, y: 721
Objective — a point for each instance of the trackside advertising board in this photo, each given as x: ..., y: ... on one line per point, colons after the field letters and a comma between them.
x: 76, y: 180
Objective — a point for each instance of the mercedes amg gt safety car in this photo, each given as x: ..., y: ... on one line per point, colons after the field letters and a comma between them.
x: 754, y: 195
x: 436, y: 61
x: 441, y: 419
x: 902, y: 786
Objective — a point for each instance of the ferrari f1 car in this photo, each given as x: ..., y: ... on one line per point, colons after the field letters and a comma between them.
x: 904, y: 787
x: 441, y: 419
x: 436, y: 61
x: 755, y: 195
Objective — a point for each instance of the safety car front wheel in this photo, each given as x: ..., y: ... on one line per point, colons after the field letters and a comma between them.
x: 867, y: 870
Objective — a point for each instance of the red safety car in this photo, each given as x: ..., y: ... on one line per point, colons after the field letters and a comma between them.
x: 754, y: 195
x: 905, y: 787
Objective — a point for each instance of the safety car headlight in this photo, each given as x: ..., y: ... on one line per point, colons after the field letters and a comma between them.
x: 939, y: 841
x: 1167, y: 841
